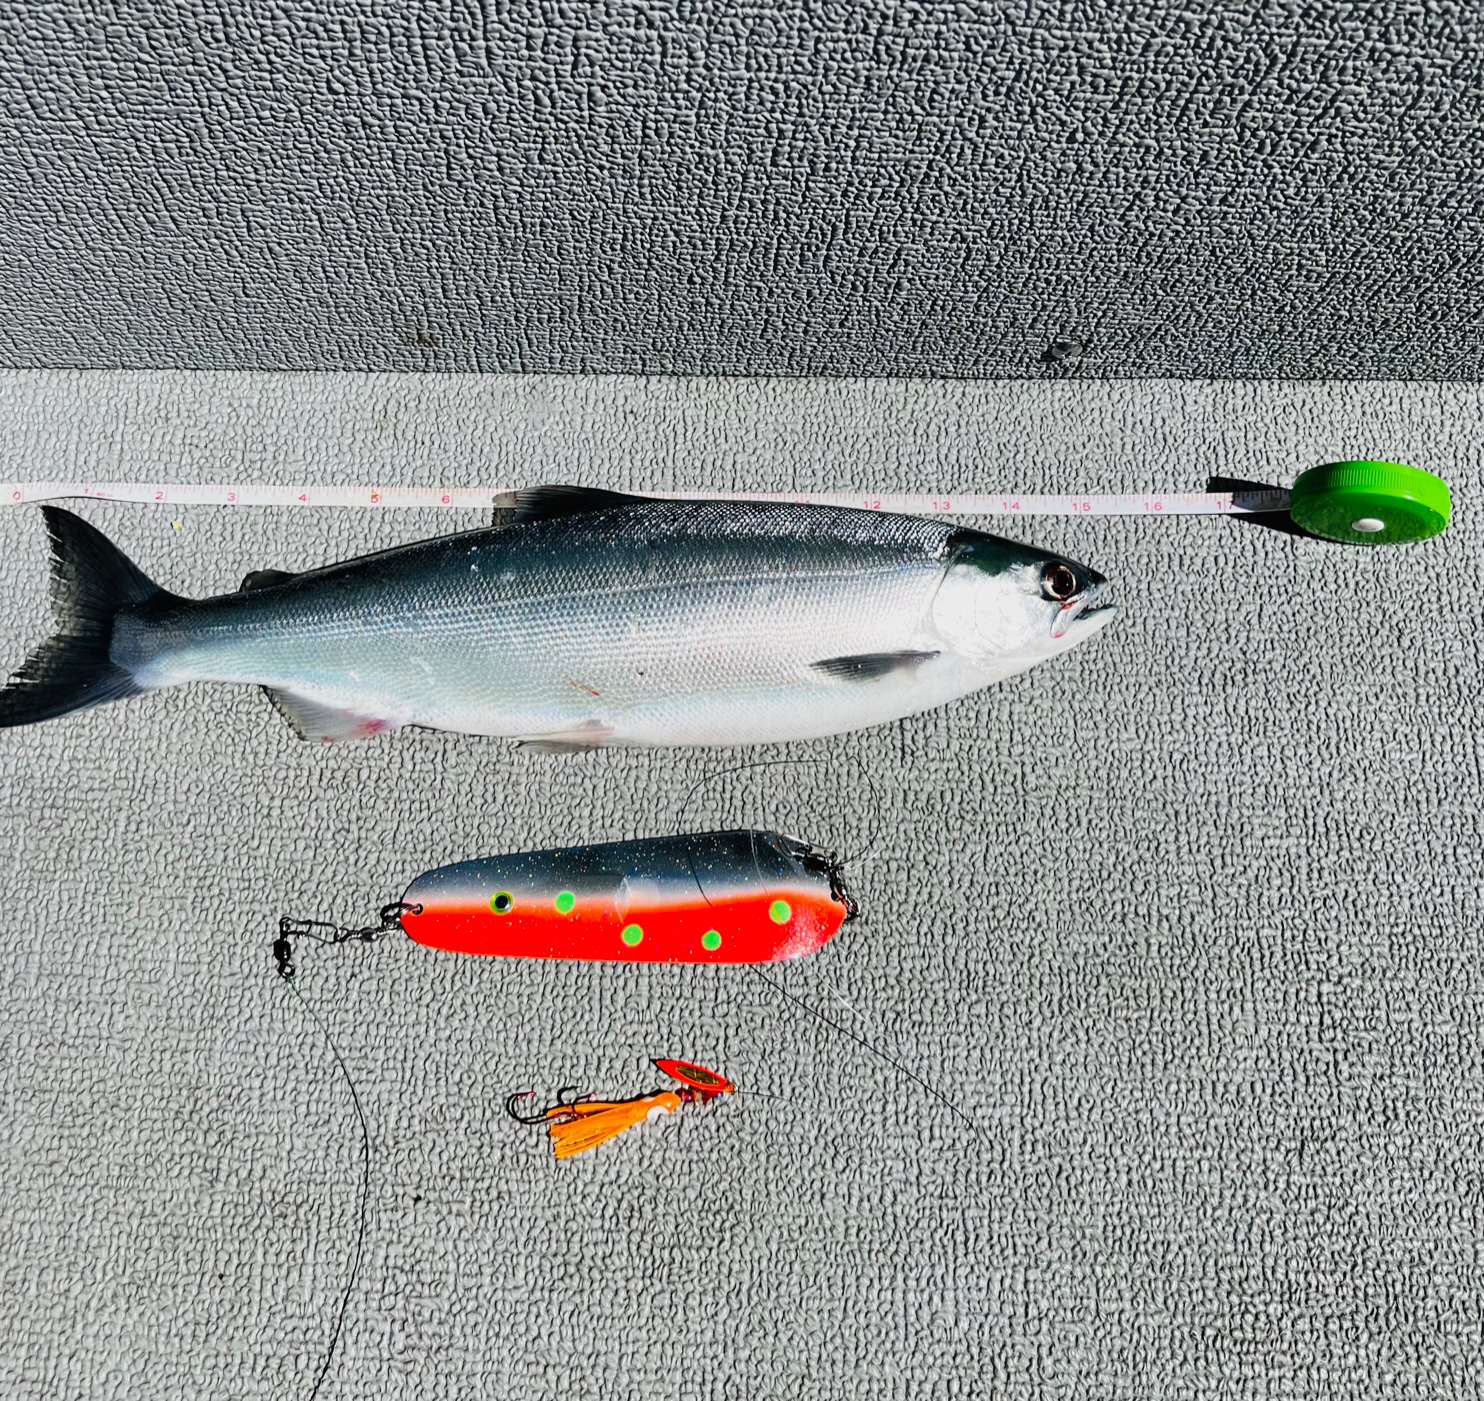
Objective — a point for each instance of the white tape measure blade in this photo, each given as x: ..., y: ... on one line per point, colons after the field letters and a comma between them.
x: 473, y: 498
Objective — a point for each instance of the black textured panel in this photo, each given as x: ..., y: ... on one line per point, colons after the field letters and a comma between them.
x: 1281, y: 189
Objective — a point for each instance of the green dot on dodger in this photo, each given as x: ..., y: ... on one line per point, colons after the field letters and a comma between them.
x: 631, y: 935
x: 779, y: 912
x: 502, y: 902
x: 711, y: 941
x: 564, y: 902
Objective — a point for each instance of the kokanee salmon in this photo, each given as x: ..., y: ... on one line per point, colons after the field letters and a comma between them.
x: 595, y: 620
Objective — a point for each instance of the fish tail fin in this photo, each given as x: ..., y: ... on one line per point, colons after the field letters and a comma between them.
x: 92, y: 581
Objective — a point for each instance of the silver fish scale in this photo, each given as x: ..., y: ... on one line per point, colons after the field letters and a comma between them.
x: 699, y: 620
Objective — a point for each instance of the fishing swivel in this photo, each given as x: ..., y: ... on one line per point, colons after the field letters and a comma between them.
x: 324, y: 933
x: 832, y: 868
x: 283, y: 955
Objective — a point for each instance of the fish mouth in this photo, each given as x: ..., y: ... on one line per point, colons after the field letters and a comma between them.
x: 1082, y: 616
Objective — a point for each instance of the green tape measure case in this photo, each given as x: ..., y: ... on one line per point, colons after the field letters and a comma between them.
x: 1371, y: 503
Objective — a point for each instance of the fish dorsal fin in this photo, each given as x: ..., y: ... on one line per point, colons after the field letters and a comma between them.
x: 545, y: 503
x: 323, y: 724
x: 870, y: 666
x: 263, y: 579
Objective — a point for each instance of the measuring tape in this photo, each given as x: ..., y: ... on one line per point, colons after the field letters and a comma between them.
x: 1221, y: 503
x: 1372, y: 503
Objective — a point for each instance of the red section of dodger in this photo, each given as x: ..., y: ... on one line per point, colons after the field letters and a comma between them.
x: 710, y: 897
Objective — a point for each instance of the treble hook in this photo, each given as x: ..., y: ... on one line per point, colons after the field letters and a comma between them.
x: 562, y: 1103
x: 515, y: 1099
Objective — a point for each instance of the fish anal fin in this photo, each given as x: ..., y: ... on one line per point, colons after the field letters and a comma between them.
x: 593, y: 734
x: 312, y: 720
x: 871, y: 666
x: 264, y: 579
x: 544, y: 503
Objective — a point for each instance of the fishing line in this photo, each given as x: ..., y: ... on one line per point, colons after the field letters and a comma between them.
x: 778, y: 987
x: 827, y: 985
x: 283, y: 954
x: 875, y: 1051
x: 822, y: 759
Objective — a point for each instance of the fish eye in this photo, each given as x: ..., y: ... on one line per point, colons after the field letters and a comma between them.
x: 1058, y: 582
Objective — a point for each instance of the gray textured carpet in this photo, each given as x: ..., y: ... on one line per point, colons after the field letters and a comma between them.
x: 1188, y: 921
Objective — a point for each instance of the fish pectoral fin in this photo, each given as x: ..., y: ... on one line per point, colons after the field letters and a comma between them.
x: 264, y: 579
x: 545, y: 503
x: 313, y: 720
x: 869, y: 666
x: 592, y: 734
